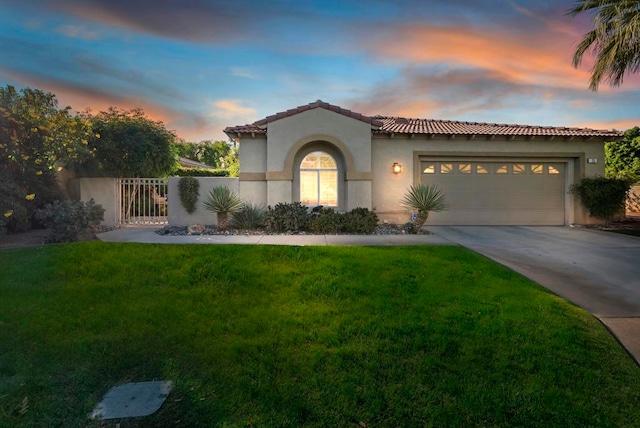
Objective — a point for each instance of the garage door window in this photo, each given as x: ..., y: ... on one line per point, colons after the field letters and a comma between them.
x: 482, y: 168
x: 446, y: 168
x: 519, y: 168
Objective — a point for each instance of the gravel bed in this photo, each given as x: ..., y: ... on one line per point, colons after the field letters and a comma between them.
x: 383, y: 229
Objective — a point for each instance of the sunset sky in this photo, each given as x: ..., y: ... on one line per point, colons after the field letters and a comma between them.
x: 200, y: 66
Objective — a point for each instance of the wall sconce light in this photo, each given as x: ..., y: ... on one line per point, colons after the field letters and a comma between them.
x: 396, y: 168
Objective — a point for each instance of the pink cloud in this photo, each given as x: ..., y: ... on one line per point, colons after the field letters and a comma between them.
x: 187, y: 125
x: 621, y: 125
x: 521, y: 58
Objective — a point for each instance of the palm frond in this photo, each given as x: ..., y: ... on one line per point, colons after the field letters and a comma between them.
x: 614, y: 41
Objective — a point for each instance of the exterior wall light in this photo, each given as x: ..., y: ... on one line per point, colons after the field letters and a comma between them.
x: 396, y: 168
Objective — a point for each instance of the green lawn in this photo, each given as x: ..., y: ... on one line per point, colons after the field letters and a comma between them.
x: 301, y: 336
x: 632, y: 232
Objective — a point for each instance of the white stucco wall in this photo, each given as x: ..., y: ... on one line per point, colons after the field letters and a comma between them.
x: 253, y: 153
x: 178, y: 216
x: 359, y: 194
x: 278, y: 191
x: 103, y: 191
x: 254, y: 192
x: 284, y: 133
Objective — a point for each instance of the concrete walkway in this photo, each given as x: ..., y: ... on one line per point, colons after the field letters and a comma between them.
x: 598, y: 271
x: 148, y: 236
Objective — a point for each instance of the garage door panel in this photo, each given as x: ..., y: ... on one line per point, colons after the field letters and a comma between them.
x: 498, y: 193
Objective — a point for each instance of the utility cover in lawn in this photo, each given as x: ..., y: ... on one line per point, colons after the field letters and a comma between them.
x: 132, y: 400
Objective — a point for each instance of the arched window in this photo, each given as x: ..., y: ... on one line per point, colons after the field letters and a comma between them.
x: 319, y: 180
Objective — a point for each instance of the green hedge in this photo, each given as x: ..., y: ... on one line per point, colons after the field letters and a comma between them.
x: 199, y: 172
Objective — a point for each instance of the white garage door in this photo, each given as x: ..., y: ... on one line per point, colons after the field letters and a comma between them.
x: 498, y: 193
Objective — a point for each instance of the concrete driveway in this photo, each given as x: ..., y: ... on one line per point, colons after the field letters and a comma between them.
x: 599, y: 271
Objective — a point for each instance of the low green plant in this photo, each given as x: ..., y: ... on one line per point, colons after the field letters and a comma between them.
x: 424, y: 198
x: 68, y: 219
x: 199, y: 172
x: 603, y: 197
x: 287, y: 217
x: 189, y: 189
x: 326, y: 221
x: 222, y: 201
x: 250, y: 217
x: 360, y: 221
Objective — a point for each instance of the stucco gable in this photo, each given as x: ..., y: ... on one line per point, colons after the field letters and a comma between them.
x: 319, y: 104
x: 260, y: 126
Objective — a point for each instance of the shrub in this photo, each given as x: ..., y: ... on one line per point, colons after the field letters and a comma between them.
x: 360, y: 220
x: 222, y: 201
x: 20, y: 219
x: 603, y: 197
x: 199, y: 172
x: 67, y: 219
x: 423, y: 199
x: 189, y: 189
x: 250, y: 217
x: 287, y: 217
x: 326, y: 221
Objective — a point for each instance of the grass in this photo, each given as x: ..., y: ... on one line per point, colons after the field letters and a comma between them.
x: 301, y: 336
x: 631, y: 232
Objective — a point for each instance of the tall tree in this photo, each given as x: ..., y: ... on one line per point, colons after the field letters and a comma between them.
x: 623, y: 157
x: 212, y: 153
x: 36, y: 139
x: 128, y: 144
x: 614, y: 40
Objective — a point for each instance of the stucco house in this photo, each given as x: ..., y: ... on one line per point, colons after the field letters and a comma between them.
x: 492, y: 174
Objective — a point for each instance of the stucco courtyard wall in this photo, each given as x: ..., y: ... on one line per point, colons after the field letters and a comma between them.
x: 178, y: 216
x: 104, y: 191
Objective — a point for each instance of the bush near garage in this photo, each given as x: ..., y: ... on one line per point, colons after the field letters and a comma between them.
x: 603, y: 197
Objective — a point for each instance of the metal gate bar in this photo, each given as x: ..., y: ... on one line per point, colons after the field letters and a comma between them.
x: 142, y: 201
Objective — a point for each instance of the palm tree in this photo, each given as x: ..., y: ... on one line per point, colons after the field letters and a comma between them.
x: 423, y: 198
x: 615, y: 39
x: 222, y: 201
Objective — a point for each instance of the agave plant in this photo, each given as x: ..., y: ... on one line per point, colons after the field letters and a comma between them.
x: 222, y: 201
x: 424, y: 198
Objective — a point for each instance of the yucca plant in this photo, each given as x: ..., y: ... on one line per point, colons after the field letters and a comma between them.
x: 249, y: 217
x: 222, y: 201
x: 423, y: 199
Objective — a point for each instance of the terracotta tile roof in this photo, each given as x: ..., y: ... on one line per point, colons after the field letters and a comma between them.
x: 260, y: 128
x: 400, y: 125
x: 249, y: 128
